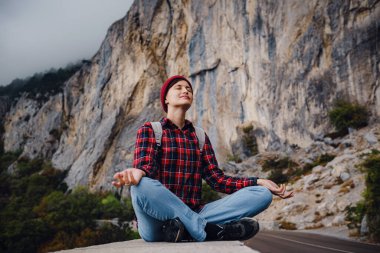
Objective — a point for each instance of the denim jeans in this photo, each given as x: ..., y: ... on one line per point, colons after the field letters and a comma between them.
x: 154, y: 203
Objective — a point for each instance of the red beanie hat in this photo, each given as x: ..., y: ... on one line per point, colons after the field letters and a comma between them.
x: 167, y: 85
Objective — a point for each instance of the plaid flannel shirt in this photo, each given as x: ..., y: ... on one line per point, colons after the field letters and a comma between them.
x: 179, y: 165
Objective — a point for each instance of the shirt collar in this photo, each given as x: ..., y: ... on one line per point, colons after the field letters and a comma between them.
x: 165, y: 122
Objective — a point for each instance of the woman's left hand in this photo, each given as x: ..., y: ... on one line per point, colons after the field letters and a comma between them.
x: 279, y: 190
x: 129, y: 176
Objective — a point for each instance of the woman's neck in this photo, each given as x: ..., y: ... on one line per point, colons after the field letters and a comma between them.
x: 177, y: 117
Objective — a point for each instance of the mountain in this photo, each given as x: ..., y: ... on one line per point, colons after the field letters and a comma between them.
x: 275, y: 67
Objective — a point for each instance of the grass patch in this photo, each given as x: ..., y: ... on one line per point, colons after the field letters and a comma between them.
x: 285, y: 170
x: 208, y: 194
x: 234, y: 158
x: 288, y: 225
x: 346, y: 115
x: 371, y: 204
x: 322, y: 160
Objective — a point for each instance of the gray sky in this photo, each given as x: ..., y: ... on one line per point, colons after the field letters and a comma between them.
x: 36, y: 35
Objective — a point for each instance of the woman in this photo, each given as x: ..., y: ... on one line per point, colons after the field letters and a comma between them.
x: 166, y: 181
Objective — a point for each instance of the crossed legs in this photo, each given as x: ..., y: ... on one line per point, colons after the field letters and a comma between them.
x: 154, y: 204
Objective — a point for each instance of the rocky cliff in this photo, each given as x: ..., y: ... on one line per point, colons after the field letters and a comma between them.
x: 323, y: 194
x: 276, y: 66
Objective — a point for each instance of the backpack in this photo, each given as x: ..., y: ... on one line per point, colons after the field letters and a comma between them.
x: 157, y: 128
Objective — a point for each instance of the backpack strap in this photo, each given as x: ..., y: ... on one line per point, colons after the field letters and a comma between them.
x: 157, y: 128
x: 201, y: 137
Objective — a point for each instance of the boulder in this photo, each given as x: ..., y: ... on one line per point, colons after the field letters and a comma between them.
x: 322, y: 209
x: 339, y: 220
x: 294, y: 209
x: 344, y: 176
x: 342, y: 204
x: 318, y: 169
x: 310, y: 180
x: 370, y: 138
x: 364, y: 226
x: 328, y: 141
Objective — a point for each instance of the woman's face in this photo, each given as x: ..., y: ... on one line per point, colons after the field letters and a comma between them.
x: 180, y: 95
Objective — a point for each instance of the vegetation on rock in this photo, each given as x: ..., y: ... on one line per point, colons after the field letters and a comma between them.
x: 37, y: 214
x: 347, y: 115
x: 370, y: 206
x: 284, y: 170
x: 41, y: 85
x: 208, y: 194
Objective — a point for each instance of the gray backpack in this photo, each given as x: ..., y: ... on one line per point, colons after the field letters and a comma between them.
x: 157, y: 128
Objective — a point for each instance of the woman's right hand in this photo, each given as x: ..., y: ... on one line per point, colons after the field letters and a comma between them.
x: 275, y: 189
x: 130, y: 176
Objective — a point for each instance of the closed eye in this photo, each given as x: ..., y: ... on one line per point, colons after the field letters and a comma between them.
x: 178, y: 87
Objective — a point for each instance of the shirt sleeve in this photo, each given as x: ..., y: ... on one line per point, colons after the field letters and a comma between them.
x: 216, y: 178
x: 145, y: 154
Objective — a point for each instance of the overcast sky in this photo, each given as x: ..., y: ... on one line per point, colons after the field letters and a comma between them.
x: 36, y: 35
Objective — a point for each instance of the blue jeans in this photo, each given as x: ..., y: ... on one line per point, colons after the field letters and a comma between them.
x: 154, y: 203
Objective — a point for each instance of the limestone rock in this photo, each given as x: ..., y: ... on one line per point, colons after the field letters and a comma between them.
x: 294, y: 208
x: 364, y: 226
x: 344, y: 176
x: 370, y: 138
x: 310, y: 180
x: 318, y: 169
x: 342, y: 164
x: 338, y: 220
x: 33, y: 127
x: 321, y: 197
x: 276, y: 65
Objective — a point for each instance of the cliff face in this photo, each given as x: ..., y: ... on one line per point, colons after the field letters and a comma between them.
x: 275, y: 65
x: 323, y: 194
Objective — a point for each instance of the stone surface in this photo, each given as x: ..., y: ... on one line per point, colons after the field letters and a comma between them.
x: 33, y: 127
x: 344, y: 176
x: 140, y: 246
x: 364, y: 226
x: 339, y: 220
x: 370, y: 138
x: 328, y: 190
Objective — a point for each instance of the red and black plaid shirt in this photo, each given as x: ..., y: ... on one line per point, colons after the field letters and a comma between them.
x: 179, y: 165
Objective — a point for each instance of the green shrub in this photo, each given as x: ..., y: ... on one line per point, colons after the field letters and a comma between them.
x: 45, y: 84
x: 249, y: 141
x: 346, y: 114
x: 56, y: 133
x: 288, y: 225
x: 283, y: 163
x: 278, y: 167
x: 372, y: 194
x: 285, y: 170
x: 278, y: 177
x: 20, y: 229
x: 321, y: 160
x: 234, y: 158
x: 208, y: 194
x: 354, y: 215
x: 37, y: 215
x: 26, y: 167
x: 371, y: 204
x: 111, y: 208
x: 75, y: 214
x: 6, y: 159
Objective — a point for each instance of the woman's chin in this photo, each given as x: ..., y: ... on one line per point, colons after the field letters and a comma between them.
x: 186, y: 106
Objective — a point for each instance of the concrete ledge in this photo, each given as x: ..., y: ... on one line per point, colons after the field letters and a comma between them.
x: 140, y: 246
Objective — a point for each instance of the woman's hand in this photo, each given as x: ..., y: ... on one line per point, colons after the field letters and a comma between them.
x: 130, y: 176
x: 275, y: 189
